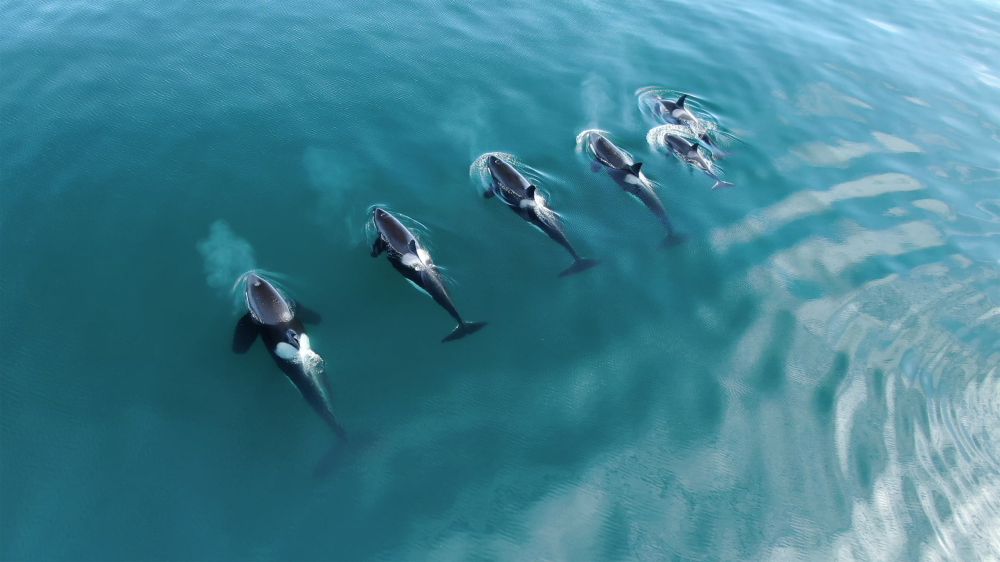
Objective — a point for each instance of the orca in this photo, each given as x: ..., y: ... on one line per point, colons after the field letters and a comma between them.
x: 674, y: 112
x: 625, y: 171
x: 689, y: 153
x: 409, y: 257
x: 524, y: 199
x: 279, y: 322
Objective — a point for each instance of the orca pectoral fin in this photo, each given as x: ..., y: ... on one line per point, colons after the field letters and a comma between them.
x: 378, y: 247
x: 595, y: 167
x: 307, y: 315
x: 245, y: 334
x: 489, y: 193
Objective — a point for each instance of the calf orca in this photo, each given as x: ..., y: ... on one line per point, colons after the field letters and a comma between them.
x: 689, y: 153
x: 523, y: 198
x: 279, y: 323
x: 412, y: 260
x: 625, y: 172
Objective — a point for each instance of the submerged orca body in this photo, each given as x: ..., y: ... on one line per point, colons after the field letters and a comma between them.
x: 717, y: 151
x: 625, y: 171
x: 279, y: 323
x: 412, y: 260
x: 523, y: 198
x: 689, y: 153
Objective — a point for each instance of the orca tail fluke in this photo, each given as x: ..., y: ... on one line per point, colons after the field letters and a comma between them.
x: 673, y: 239
x: 579, y: 265
x: 464, y: 329
x: 720, y: 184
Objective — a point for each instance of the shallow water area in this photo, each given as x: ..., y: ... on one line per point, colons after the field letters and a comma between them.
x: 814, y: 374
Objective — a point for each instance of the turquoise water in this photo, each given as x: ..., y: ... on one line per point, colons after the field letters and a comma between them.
x: 813, y: 375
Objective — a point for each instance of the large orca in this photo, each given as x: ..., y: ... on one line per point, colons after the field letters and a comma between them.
x: 279, y: 323
x: 625, y: 172
x: 523, y: 198
x: 689, y: 153
x: 412, y: 260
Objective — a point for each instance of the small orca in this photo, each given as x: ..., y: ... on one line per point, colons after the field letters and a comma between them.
x: 412, y: 260
x: 523, y: 198
x: 279, y: 323
x: 689, y: 153
x: 674, y: 112
x: 625, y: 172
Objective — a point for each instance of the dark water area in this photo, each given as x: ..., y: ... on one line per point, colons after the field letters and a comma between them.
x: 812, y: 375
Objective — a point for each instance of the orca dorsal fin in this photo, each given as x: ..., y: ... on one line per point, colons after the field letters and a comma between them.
x: 530, y: 192
x: 680, y: 100
x: 412, y: 246
x: 634, y: 168
x: 694, y: 147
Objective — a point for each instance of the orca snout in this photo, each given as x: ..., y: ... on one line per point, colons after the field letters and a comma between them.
x: 493, y: 163
x: 379, y: 216
x: 253, y: 280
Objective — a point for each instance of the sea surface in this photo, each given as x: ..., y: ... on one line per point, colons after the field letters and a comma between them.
x: 813, y: 375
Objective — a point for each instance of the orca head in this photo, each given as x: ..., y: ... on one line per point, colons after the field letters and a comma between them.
x: 607, y: 153
x: 492, y: 162
x: 599, y: 143
x: 266, y: 303
x: 395, y: 233
x: 386, y: 224
x: 676, y: 143
x: 497, y: 168
x: 507, y: 177
x: 381, y: 217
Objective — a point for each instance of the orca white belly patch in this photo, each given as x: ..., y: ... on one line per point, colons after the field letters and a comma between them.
x: 311, y: 362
